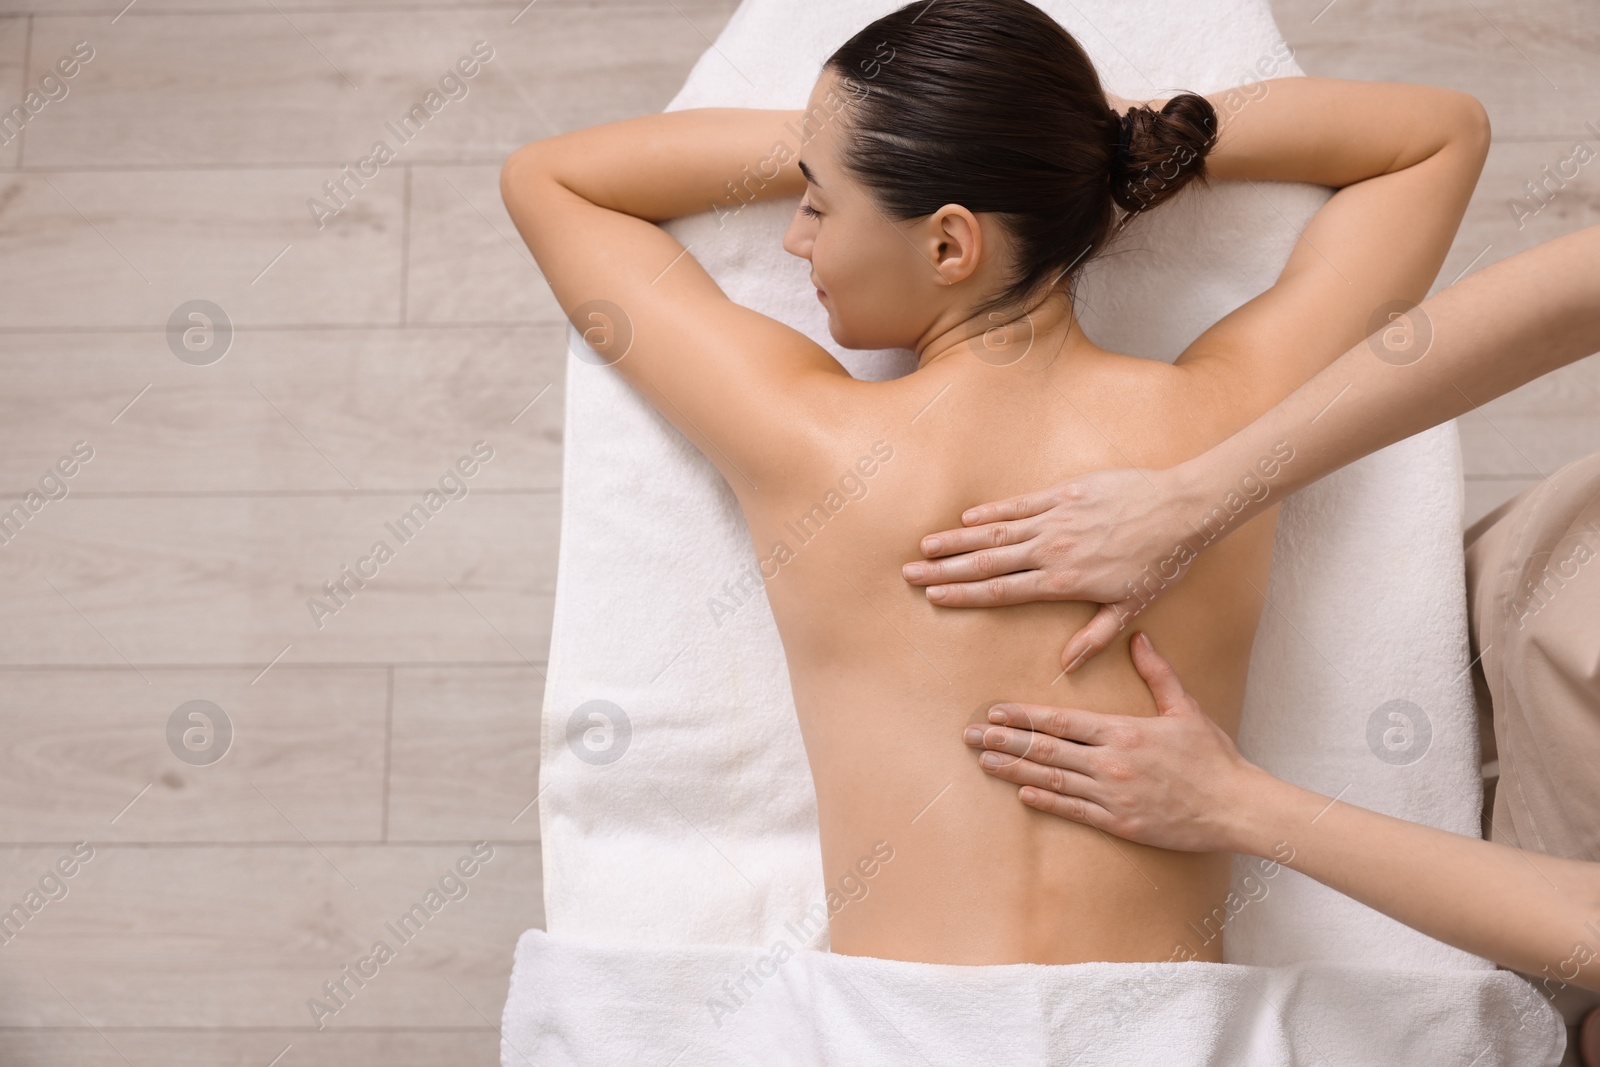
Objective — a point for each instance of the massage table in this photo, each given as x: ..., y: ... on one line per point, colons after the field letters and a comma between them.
x: 677, y: 816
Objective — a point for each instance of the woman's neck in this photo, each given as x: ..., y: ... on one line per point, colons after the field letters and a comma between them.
x: 1036, y: 340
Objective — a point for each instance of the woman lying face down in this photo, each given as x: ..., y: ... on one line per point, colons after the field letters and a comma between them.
x: 961, y: 165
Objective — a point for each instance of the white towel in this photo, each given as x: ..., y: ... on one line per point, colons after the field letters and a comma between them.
x: 581, y: 1003
x: 683, y: 815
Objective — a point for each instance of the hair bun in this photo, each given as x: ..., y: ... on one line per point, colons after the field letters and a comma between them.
x: 1157, y: 153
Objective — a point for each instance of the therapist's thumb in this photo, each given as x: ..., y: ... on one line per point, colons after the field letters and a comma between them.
x: 1093, y: 639
x: 1158, y: 675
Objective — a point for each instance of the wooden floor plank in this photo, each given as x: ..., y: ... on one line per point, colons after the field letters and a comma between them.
x: 465, y: 753
x: 127, y: 248
x: 92, y: 755
x: 262, y: 88
x: 389, y: 1046
x: 246, y: 936
x: 466, y: 261
x: 1532, y: 65
x: 706, y: 13
x: 215, y: 580
x: 1522, y: 445
x: 284, y: 411
x: 14, y: 86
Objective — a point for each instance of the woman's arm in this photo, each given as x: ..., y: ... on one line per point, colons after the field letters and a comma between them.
x: 1403, y: 160
x: 1092, y: 536
x: 1175, y: 780
x: 676, y: 163
x: 587, y: 204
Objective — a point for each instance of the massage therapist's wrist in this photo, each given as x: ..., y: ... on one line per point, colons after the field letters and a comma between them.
x: 1235, y: 481
x: 1191, y: 488
x: 1272, y: 817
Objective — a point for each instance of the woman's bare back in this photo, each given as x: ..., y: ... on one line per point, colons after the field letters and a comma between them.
x: 884, y: 681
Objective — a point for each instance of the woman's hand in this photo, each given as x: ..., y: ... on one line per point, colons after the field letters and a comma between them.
x: 1174, y: 780
x: 1118, y: 538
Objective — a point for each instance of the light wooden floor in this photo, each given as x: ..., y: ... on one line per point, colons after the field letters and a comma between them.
x: 369, y: 753
x: 369, y: 355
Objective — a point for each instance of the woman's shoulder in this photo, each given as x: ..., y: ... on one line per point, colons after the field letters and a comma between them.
x: 1194, y: 403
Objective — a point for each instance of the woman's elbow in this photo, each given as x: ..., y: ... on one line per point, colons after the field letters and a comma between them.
x: 1458, y: 136
x: 519, y: 168
x: 1470, y: 124
x: 530, y: 179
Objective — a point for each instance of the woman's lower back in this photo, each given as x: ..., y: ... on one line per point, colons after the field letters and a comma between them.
x: 972, y: 875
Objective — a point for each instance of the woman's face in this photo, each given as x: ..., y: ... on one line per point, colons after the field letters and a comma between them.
x: 883, y: 285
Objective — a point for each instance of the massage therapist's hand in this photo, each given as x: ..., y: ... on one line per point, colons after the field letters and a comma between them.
x: 1173, y: 780
x: 1176, y: 781
x: 1098, y: 537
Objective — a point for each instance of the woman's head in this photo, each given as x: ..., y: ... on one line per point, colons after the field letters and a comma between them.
x: 968, y: 143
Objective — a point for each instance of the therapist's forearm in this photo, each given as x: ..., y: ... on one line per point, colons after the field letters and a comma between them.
x: 1534, y: 913
x: 1498, y: 329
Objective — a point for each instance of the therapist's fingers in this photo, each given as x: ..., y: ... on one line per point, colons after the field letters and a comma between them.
x: 1098, y: 633
x: 1071, y: 724
x: 970, y: 566
x: 1159, y: 676
x: 1022, y: 587
x: 972, y: 538
x: 1027, y: 772
x: 1038, y: 747
x: 1023, y: 506
x: 1076, y: 808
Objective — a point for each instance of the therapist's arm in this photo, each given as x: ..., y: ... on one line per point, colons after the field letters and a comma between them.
x: 1093, y: 536
x: 1176, y: 781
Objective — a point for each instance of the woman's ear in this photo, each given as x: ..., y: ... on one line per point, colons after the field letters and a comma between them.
x: 957, y: 243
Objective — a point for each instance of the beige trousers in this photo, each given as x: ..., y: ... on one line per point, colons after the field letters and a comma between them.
x: 1533, y: 596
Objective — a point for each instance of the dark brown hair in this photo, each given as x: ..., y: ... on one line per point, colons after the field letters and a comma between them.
x: 992, y: 105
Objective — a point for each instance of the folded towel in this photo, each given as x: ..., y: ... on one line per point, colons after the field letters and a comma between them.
x: 579, y: 1003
